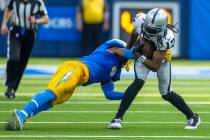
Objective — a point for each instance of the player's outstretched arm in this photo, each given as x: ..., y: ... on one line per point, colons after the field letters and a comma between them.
x: 108, y: 90
x: 123, y: 52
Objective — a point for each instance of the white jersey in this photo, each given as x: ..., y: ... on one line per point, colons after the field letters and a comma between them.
x: 164, y: 43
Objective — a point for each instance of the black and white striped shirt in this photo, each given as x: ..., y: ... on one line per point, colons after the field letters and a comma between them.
x: 24, y: 9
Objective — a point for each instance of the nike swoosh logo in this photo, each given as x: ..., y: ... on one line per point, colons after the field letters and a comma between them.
x: 66, y: 76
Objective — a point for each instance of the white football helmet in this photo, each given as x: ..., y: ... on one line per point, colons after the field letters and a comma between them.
x: 155, y: 24
x: 138, y: 20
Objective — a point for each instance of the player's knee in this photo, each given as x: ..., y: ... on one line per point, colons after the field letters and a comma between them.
x: 164, y: 93
x: 135, y: 87
x: 167, y: 95
x: 44, y: 96
x: 14, y: 56
x: 141, y: 77
x: 114, y: 95
x: 138, y: 83
x: 109, y: 95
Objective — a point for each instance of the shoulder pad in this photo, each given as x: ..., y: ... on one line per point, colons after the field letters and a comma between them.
x: 168, y: 41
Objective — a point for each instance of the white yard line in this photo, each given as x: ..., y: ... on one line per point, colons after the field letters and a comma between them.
x: 111, y: 103
x: 102, y: 95
x: 150, y: 122
x: 127, y: 82
x: 108, y: 112
x: 152, y: 79
x: 150, y: 83
x: 155, y: 88
x: 102, y: 136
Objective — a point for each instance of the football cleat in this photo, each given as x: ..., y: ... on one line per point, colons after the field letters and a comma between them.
x: 15, y: 121
x: 10, y: 93
x: 115, y: 124
x: 193, y: 122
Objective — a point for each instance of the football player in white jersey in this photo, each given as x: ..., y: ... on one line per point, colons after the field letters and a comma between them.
x: 153, y: 29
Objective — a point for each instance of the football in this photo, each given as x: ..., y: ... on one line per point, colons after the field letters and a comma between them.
x: 148, y: 49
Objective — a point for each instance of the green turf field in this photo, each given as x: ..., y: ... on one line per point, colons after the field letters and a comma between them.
x: 87, y: 114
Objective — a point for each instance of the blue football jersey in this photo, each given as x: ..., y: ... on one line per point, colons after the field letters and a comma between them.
x: 103, y: 64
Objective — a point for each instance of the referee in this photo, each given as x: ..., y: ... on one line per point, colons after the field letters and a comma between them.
x: 24, y: 16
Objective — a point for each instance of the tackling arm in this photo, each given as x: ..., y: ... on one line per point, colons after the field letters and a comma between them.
x: 108, y: 90
x: 132, y: 39
x: 123, y: 52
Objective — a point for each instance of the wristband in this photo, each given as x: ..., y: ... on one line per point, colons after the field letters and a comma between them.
x: 142, y: 59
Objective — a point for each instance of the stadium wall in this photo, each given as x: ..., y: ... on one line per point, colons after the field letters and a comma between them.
x: 199, y: 29
x: 59, y: 38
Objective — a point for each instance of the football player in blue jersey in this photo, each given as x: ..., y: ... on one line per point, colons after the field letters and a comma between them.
x: 102, y: 66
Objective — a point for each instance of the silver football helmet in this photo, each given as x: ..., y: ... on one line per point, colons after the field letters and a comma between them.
x: 138, y: 20
x: 155, y: 24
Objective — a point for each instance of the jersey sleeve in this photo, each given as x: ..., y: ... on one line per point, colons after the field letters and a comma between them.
x: 168, y: 41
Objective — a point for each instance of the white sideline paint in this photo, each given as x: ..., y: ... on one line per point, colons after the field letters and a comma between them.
x: 154, y: 88
x: 103, y: 136
x: 102, y: 95
x: 110, y: 103
x: 108, y: 112
x: 106, y: 122
x: 177, y: 71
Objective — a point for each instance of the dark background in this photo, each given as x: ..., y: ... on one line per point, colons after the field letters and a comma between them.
x: 194, y: 31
